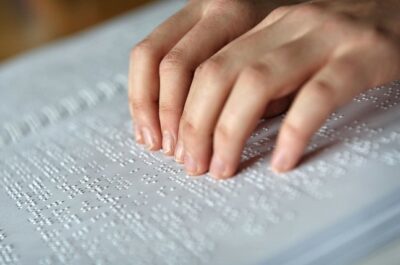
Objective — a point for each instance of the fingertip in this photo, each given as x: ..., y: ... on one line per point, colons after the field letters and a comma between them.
x: 194, y: 166
x: 179, y: 152
x: 150, y: 139
x: 220, y: 168
x: 197, y: 150
x: 217, y: 167
x: 190, y: 164
x: 168, y: 143
x: 280, y: 161
x: 138, y: 135
x: 220, y: 177
x: 286, y: 155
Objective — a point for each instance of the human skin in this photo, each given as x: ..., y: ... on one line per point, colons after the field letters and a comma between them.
x: 200, y: 82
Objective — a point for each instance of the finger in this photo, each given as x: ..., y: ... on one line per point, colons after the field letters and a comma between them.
x: 276, y: 75
x: 211, y: 85
x: 333, y: 86
x: 143, y: 74
x: 177, y: 67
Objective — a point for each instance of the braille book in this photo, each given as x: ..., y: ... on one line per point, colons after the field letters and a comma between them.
x: 75, y: 188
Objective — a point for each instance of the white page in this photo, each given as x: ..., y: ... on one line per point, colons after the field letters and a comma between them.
x: 79, y: 190
x: 146, y: 209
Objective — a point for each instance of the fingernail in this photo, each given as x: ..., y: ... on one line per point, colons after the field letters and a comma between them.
x: 138, y: 135
x: 148, y: 138
x: 190, y: 164
x: 280, y: 161
x: 179, y: 152
x: 168, y: 143
x: 217, y: 167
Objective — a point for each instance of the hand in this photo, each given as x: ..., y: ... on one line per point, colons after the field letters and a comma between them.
x: 323, y: 52
x: 162, y: 65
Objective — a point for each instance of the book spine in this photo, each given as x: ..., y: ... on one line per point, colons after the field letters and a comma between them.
x: 12, y: 132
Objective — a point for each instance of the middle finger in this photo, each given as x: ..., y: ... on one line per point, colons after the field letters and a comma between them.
x: 275, y: 75
x: 211, y: 86
x: 176, y: 69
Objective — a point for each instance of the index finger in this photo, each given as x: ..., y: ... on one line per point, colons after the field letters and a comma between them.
x: 335, y: 84
x: 144, y: 73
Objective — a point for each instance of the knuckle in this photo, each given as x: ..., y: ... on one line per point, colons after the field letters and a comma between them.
x: 144, y: 48
x: 278, y: 58
x: 255, y: 73
x: 377, y: 38
x: 279, y: 11
x: 167, y: 108
x: 343, y: 71
x: 189, y: 128
x: 141, y: 103
x: 137, y: 104
x: 174, y: 59
x: 294, y: 131
x: 210, y: 68
x: 222, y: 133
x: 323, y: 93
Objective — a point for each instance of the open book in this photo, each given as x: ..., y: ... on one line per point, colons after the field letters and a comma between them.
x: 76, y: 189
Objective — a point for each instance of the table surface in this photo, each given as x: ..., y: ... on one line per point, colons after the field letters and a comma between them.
x: 28, y: 24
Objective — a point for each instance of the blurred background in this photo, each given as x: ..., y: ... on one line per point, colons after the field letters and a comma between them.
x: 25, y: 24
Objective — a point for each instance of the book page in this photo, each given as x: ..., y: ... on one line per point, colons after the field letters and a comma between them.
x: 81, y: 191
